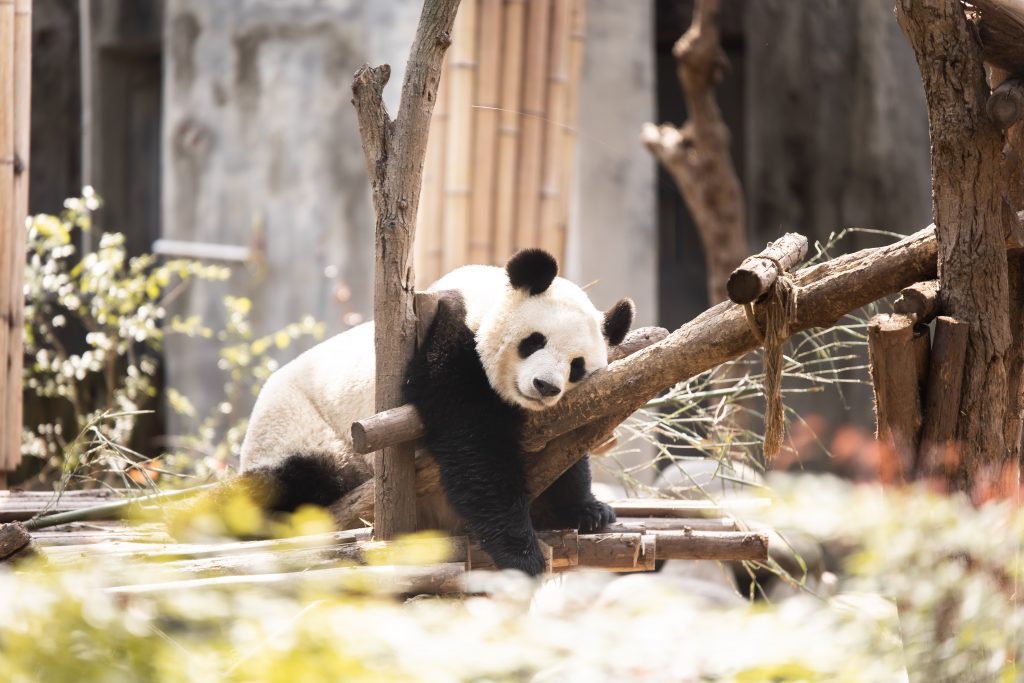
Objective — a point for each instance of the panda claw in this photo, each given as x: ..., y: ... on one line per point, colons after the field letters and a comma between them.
x: 594, y: 516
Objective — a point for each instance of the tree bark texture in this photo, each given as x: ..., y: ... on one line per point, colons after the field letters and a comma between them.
x: 937, y: 455
x: 968, y: 209
x: 696, y: 154
x: 898, y: 370
x: 395, y: 152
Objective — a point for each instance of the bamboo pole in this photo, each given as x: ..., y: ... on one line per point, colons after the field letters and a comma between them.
x: 552, y: 235
x: 430, y: 218
x: 14, y: 314
x: 485, y: 126
x: 458, y: 173
x: 566, y: 139
x: 7, y: 210
x: 531, y: 140
x: 508, y: 129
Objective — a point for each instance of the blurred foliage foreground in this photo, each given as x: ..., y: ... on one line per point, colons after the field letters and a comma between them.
x: 926, y: 585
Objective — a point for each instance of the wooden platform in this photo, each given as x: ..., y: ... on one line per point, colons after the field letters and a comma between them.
x: 647, y: 531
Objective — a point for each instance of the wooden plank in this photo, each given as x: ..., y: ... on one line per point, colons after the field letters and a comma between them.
x: 657, y: 507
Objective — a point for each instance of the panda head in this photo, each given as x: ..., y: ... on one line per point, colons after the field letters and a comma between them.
x: 545, y: 335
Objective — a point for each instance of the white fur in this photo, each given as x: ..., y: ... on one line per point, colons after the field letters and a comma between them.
x: 309, y: 404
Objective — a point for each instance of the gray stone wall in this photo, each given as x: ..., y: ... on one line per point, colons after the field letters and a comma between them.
x: 261, y: 148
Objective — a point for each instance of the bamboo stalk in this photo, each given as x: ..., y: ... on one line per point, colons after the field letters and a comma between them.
x: 567, y: 136
x: 485, y: 126
x: 508, y: 129
x: 15, y: 313
x: 552, y: 236
x: 458, y: 178
x: 7, y: 212
x: 531, y: 140
x: 429, y: 244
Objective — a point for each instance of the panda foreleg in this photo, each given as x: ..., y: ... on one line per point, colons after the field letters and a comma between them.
x: 570, y: 503
x: 486, y: 485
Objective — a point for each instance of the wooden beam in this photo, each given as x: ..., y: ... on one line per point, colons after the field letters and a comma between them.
x: 395, y: 151
x: 920, y: 301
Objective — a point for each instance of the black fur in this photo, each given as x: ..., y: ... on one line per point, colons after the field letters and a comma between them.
x: 299, y: 479
x: 617, y: 320
x: 532, y: 269
x: 475, y: 438
x: 570, y: 504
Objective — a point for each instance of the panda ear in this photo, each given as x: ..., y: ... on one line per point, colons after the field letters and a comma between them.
x: 532, y: 270
x: 617, y: 320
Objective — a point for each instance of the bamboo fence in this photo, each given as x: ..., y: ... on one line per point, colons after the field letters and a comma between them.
x: 501, y: 147
x: 15, y: 101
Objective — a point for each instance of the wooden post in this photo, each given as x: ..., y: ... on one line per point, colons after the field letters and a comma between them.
x: 395, y: 152
x: 937, y: 455
x: 15, y: 112
x: 897, y: 363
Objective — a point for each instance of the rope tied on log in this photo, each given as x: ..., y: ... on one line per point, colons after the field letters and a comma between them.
x: 778, y: 308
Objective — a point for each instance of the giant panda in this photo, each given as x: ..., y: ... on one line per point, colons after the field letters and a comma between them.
x: 504, y: 341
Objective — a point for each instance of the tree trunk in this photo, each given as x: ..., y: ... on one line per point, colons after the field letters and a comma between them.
x: 967, y: 205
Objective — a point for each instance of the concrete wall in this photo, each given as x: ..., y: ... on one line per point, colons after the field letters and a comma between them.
x: 613, y: 231
x: 261, y: 148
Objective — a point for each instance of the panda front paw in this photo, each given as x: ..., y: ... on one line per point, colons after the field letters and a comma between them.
x: 529, y: 560
x: 593, y: 516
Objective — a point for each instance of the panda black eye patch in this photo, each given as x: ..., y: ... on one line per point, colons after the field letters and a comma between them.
x: 530, y: 345
x: 577, y: 369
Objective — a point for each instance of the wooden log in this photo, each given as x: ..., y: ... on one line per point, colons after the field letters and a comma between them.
x: 458, y: 173
x: 531, y: 138
x: 898, y: 391
x: 1005, y: 106
x: 755, y: 276
x: 618, y: 552
x: 508, y: 129
x: 639, y: 525
x: 13, y: 538
x: 587, y: 415
x: 677, y: 508
x: 938, y: 454
x: 920, y: 301
x: 438, y: 579
x: 395, y: 152
x: 9, y: 288
x: 712, y: 545
x: 403, y: 423
x: 485, y: 127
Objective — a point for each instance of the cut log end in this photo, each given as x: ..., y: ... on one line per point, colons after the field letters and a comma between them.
x: 13, y: 539
x: 755, y: 276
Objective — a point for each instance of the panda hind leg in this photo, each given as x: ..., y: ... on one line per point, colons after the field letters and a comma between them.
x: 569, y: 502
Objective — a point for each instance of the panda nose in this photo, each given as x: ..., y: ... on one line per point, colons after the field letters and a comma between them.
x: 545, y: 388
